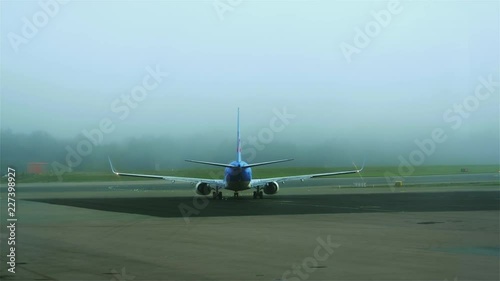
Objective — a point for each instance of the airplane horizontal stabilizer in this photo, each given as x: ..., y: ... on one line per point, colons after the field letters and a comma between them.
x: 210, y: 163
x: 267, y: 163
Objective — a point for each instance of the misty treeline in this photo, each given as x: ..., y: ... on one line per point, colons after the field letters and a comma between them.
x: 168, y: 152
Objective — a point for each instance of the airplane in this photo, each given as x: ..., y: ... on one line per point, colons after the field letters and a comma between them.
x: 237, y: 176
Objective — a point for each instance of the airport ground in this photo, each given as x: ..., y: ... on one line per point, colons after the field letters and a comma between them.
x: 316, y: 230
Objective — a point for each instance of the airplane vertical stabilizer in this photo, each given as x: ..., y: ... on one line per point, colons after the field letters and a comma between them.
x: 238, y: 144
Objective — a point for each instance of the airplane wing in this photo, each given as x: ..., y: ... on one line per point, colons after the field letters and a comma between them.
x: 168, y: 178
x: 261, y: 182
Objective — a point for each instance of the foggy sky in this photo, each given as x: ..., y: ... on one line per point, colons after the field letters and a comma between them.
x: 262, y: 57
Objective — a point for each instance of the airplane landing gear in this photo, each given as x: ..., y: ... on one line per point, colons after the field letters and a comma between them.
x: 236, y: 195
x: 258, y: 194
x: 217, y: 195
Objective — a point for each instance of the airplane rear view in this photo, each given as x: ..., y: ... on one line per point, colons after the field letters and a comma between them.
x: 237, y: 176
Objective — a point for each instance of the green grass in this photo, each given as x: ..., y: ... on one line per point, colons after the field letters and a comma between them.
x: 259, y: 172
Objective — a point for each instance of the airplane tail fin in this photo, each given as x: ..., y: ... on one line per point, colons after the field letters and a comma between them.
x: 238, y: 153
x: 238, y: 139
x: 238, y: 148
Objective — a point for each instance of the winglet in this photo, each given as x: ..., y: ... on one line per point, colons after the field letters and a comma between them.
x: 112, y: 168
x: 362, y: 167
x: 238, y: 138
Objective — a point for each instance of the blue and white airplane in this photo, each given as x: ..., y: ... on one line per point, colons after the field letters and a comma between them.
x: 237, y: 176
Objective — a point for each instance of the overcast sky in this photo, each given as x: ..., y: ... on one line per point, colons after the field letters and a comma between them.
x: 66, y: 67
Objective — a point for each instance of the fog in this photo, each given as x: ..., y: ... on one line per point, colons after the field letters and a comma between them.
x: 325, y: 82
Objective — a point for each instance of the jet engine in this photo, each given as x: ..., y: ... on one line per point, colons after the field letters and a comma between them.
x: 271, y: 188
x: 203, y: 188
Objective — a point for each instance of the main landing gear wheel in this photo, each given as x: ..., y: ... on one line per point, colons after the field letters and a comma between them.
x: 217, y: 195
x: 258, y: 194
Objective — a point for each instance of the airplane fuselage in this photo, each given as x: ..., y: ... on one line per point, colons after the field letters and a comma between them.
x: 238, y: 178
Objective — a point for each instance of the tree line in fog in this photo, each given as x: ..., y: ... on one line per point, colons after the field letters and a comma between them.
x: 169, y: 152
